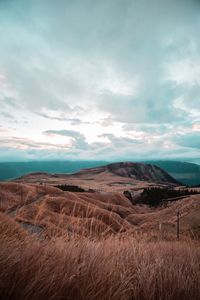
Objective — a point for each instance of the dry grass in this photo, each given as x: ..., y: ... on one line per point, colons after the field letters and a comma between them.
x: 80, y: 211
x: 99, y: 179
x: 13, y: 195
x: 83, y: 254
x: 86, y: 213
x: 117, y: 267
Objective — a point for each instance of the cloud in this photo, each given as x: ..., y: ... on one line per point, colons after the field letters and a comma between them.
x: 24, y: 143
x: 148, y: 128
x: 134, y: 110
x: 61, y: 117
x: 191, y: 140
x: 78, y: 139
x: 120, y: 141
x: 2, y: 129
x: 124, y: 72
x: 115, y: 148
x: 6, y: 115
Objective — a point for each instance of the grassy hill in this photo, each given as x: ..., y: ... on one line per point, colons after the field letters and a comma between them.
x: 187, y: 173
x: 58, y: 244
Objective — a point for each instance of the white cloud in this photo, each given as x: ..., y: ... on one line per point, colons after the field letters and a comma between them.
x: 116, y: 72
x: 185, y: 72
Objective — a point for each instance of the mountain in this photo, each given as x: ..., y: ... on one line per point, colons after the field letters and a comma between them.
x: 187, y: 173
x: 108, y: 178
x: 95, y: 242
x: 136, y: 171
x: 11, y: 170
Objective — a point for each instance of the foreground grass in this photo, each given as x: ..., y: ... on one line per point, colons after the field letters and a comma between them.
x: 111, y: 268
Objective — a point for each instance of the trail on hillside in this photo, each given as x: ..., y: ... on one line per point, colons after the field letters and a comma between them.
x: 13, y: 211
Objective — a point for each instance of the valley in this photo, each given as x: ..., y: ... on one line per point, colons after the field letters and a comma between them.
x: 115, y: 198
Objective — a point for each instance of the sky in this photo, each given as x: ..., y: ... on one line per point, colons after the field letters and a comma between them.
x: 99, y: 80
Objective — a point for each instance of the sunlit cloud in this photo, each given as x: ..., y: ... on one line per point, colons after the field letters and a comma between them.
x: 99, y: 79
x: 196, y: 127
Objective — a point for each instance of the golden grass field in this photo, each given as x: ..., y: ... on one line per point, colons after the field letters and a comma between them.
x: 51, y: 209
x: 66, y: 245
x: 114, y: 267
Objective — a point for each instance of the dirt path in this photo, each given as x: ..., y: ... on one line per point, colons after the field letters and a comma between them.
x: 12, y: 212
x: 31, y: 228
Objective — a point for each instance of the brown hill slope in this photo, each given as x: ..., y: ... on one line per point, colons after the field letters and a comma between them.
x: 112, y: 177
x: 48, y: 210
x: 57, y: 211
x: 98, y: 244
x: 137, y: 171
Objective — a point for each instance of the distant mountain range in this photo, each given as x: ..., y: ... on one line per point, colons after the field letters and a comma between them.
x: 187, y: 173
x: 11, y: 170
x: 114, y: 177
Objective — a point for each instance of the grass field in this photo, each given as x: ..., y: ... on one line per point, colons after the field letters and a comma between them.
x: 117, y: 267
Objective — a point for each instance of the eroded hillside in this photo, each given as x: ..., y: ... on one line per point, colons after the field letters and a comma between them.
x: 50, y: 211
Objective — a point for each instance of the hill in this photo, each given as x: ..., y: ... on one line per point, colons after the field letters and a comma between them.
x: 58, y: 244
x: 111, y: 177
x: 186, y: 173
x: 11, y: 170
x: 141, y: 171
x: 52, y: 212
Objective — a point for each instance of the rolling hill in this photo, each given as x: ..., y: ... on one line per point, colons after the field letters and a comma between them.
x: 111, y: 177
x: 43, y: 209
x: 186, y: 173
x: 97, y: 244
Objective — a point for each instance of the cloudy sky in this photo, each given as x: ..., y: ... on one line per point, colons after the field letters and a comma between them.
x: 99, y: 79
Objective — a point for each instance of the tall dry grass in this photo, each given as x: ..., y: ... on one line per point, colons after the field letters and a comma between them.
x: 116, y: 267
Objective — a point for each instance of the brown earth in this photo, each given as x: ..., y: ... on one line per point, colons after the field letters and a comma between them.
x: 50, y: 211
x: 95, y: 245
